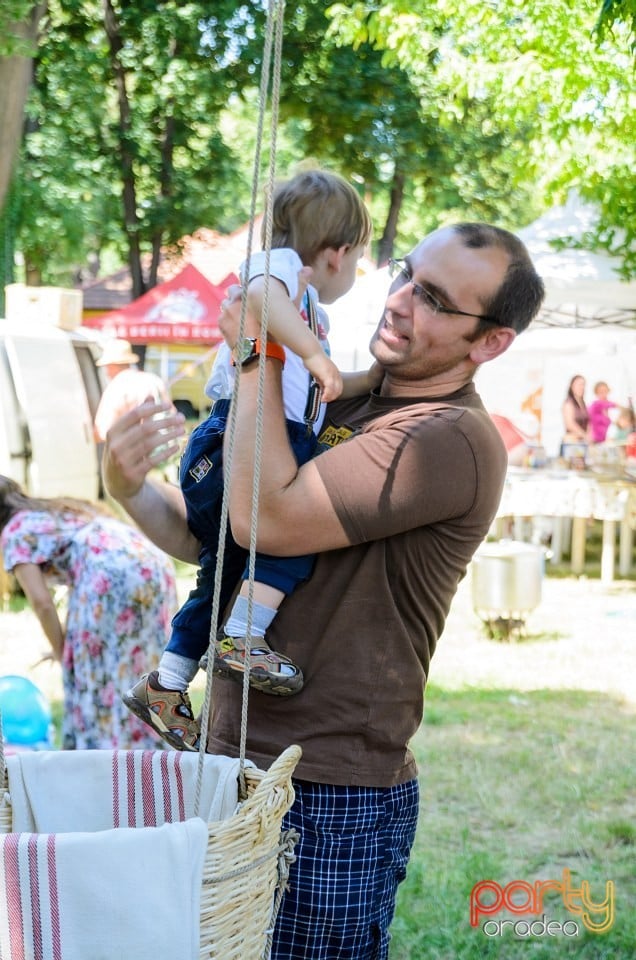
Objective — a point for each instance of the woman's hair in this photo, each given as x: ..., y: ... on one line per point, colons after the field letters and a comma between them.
x: 579, y: 401
x: 520, y: 295
x: 12, y: 499
x: 317, y: 210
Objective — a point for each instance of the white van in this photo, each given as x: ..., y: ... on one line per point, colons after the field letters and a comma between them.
x: 49, y: 391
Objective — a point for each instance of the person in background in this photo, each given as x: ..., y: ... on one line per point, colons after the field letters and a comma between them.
x: 598, y: 411
x: 620, y: 430
x: 127, y: 385
x: 405, y: 491
x: 121, y: 597
x: 576, y: 419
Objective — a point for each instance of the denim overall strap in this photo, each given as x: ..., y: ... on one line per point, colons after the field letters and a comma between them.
x: 312, y: 407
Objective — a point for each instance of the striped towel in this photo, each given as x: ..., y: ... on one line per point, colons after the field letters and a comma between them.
x: 112, y: 895
x: 71, y: 790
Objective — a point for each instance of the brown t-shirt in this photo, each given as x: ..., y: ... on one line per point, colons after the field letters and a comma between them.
x: 416, y: 486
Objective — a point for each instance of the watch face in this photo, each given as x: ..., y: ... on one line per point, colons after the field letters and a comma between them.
x: 243, y: 350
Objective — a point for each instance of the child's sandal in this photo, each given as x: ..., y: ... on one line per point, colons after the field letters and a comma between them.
x: 270, y: 672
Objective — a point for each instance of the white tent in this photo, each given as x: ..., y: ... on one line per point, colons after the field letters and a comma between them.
x: 582, y: 285
x: 528, y: 383
x: 588, y: 327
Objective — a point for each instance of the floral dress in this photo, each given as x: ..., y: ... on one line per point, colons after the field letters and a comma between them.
x: 121, y: 599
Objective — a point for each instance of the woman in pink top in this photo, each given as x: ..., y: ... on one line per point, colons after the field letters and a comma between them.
x: 599, y: 412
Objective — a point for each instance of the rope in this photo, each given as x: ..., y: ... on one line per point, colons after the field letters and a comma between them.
x: 273, y: 39
x: 284, y: 851
x: 285, y: 859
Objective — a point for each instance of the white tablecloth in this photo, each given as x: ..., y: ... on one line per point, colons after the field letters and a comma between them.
x: 576, y: 496
x: 568, y: 493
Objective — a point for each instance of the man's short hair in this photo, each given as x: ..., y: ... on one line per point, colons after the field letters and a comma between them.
x: 317, y: 210
x: 520, y: 295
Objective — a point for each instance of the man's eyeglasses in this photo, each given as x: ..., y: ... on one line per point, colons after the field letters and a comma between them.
x: 400, y: 268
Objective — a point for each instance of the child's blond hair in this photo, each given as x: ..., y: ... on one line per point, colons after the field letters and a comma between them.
x: 317, y: 210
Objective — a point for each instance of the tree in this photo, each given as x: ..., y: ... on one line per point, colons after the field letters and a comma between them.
x: 127, y: 104
x: 353, y: 110
x: 614, y: 12
x: 540, y: 68
x: 19, y: 22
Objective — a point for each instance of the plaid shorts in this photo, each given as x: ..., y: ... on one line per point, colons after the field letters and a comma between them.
x: 353, y: 850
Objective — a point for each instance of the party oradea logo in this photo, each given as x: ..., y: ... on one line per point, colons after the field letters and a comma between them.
x: 489, y: 899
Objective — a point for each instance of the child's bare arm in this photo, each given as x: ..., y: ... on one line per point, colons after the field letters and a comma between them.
x: 286, y: 325
x: 359, y: 382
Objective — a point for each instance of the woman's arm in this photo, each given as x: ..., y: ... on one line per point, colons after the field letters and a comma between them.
x: 33, y: 583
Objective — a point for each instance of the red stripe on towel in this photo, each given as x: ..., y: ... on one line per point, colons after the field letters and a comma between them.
x: 54, y: 898
x: 147, y: 789
x: 165, y: 787
x: 34, y: 888
x: 180, y: 798
x: 130, y: 784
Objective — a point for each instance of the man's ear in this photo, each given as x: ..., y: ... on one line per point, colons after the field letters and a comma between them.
x: 492, y: 344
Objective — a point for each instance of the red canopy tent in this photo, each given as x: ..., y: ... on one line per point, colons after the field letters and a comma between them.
x: 184, y: 309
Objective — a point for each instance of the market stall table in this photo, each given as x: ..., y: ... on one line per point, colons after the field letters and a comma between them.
x: 571, y: 498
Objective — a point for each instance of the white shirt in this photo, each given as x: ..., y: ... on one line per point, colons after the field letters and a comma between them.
x: 284, y: 266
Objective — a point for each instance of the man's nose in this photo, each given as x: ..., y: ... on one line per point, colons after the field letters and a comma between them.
x: 400, y: 297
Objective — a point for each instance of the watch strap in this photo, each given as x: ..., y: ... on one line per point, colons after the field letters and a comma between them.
x: 273, y: 350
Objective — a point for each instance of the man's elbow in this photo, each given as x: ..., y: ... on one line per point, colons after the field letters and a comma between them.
x: 241, y: 531
x: 267, y: 537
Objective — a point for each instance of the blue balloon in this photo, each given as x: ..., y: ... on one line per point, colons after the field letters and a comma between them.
x: 26, y: 714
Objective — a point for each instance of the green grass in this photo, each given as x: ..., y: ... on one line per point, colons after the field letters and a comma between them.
x: 519, y: 786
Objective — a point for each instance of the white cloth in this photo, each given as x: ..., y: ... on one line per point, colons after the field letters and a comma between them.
x: 103, y: 896
x: 89, y: 790
x: 284, y: 266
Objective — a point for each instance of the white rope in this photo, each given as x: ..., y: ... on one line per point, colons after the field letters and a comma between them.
x: 273, y: 38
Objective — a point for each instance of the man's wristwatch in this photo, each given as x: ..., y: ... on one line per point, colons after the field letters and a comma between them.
x: 250, y: 348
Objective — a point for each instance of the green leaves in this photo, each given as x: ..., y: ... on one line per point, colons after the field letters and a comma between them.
x: 539, y: 70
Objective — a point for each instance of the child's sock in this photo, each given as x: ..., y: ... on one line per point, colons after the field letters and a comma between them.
x: 262, y: 616
x: 176, y: 672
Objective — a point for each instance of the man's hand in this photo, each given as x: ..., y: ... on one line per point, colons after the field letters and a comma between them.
x: 136, y: 443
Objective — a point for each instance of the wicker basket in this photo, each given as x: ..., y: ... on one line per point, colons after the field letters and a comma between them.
x: 245, y: 863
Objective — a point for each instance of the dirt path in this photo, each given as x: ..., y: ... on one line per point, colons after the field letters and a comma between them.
x: 582, y: 636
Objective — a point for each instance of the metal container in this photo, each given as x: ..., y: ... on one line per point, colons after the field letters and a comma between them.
x: 506, y: 579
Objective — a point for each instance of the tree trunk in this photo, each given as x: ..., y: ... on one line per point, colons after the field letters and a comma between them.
x: 165, y: 186
x: 129, y: 193
x: 387, y: 240
x: 15, y: 78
